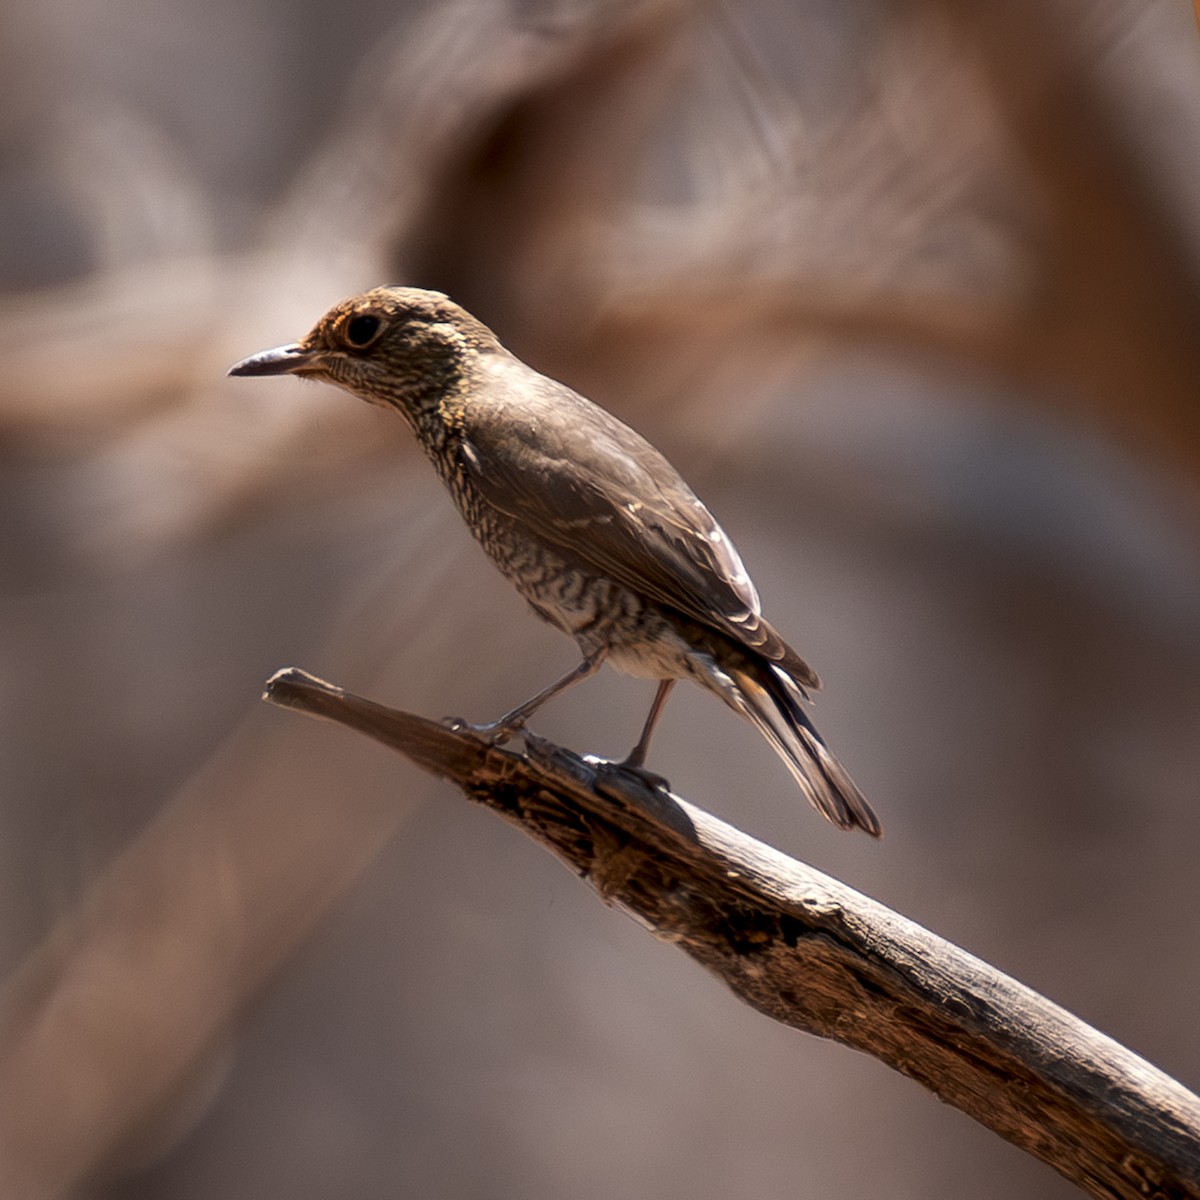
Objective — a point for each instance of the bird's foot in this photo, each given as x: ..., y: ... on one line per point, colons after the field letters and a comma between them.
x: 491, y: 733
x: 623, y: 766
x: 650, y: 778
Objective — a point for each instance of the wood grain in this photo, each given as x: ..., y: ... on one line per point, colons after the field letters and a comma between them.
x: 806, y: 950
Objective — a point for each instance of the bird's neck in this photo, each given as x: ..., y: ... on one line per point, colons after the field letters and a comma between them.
x: 419, y: 398
x: 432, y: 408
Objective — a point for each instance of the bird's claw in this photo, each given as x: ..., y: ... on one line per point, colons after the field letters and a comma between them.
x: 490, y: 733
x: 621, y: 766
x: 652, y: 779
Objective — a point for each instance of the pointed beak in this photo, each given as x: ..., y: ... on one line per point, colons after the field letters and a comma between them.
x: 283, y: 360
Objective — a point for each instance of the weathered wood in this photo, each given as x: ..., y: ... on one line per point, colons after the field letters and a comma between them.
x: 812, y: 953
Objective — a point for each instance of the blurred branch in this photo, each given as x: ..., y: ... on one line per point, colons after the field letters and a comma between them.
x: 810, y: 952
x: 495, y: 153
x: 113, y: 1030
x: 1116, y: 311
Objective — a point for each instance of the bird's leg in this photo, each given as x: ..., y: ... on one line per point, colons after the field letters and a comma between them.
x: 634, y: 762
x: 637, y: 756
x: 499, y: 730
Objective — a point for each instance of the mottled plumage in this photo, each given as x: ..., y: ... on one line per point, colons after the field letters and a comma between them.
x: 590, y: 523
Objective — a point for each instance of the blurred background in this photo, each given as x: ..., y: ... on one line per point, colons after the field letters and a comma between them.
x: 910, y: 292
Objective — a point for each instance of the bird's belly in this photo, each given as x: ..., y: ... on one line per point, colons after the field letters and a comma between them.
x: 598, y: 612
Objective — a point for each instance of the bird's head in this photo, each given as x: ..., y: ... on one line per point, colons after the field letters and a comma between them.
x: 394, y: 346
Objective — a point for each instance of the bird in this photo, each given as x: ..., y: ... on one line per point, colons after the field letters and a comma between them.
x: 588, y: 521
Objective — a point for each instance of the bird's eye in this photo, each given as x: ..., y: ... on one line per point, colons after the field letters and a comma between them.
x: 362, y: 330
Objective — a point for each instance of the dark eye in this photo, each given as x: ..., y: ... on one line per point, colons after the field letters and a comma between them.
x: 362, y: 330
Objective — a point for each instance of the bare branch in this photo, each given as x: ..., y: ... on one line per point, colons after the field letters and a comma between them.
x: 812, y: 953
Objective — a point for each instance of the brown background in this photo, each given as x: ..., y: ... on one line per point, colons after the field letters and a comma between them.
x: 910, y: 292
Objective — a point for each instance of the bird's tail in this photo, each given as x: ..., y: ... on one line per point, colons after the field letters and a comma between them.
x: 768, y: 697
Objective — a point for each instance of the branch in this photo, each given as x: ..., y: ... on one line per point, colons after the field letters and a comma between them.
x: 812, y: 953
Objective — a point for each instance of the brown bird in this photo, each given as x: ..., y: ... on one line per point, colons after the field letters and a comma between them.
x: 588, y: 521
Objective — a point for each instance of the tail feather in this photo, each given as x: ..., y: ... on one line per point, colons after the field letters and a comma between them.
x: 773, y: 703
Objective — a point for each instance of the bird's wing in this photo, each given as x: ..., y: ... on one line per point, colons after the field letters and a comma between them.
x: 587, y: 483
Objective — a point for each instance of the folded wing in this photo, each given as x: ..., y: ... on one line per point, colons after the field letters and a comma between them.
x: 603, y: 494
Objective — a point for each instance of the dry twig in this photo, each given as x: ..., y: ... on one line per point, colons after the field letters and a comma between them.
x: 812, y: 953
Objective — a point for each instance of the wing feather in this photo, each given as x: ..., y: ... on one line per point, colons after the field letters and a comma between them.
x: 585, y: 482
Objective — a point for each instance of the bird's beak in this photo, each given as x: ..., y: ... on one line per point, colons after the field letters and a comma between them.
x: 283, y: 360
